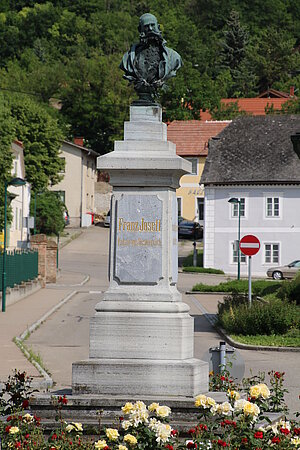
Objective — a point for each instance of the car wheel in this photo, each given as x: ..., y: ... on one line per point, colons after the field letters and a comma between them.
x: 277, y: 275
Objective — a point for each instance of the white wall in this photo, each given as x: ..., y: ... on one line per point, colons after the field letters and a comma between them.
x: 221, y: 229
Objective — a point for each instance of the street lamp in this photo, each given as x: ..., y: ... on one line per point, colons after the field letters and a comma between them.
x: 13, y: 182
x: 238, y: 202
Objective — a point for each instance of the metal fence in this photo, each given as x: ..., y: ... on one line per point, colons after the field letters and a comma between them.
x: 21, y: 266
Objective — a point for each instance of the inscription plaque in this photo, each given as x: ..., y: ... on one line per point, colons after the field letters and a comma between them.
x: 138, y: 239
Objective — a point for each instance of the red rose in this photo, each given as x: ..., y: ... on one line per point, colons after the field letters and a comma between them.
x: 222, y: 378
x: 192, y: 431
x: 259, y: 435
x: 275, y: 440
x: 297, y: 431
x: 244, y: 440
x: 54, y: 437
x: 25, y: 404
x: 174, y: 432
x: 8, y: 419
x: 170, y: 447
x: 7, y: 428
x: 121, y: 419
x: 191, y: 444
x: 18, y: 444
x: 222, y: 443
x: 284, y: 431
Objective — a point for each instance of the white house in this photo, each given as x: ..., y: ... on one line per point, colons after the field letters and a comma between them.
x: 77, y: 188
x: 253, y: 160
x: 19, y: 197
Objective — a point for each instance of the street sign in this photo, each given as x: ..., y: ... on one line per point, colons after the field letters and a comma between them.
x: 249, y: 245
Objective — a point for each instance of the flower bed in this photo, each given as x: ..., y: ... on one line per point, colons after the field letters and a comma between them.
x: 232, y: 423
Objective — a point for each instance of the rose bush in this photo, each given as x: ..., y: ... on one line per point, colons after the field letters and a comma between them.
x: 232, y: 424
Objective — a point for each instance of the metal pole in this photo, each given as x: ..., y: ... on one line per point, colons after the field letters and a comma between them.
x: 35, y: 198
x: 239, y: 238
x: 57, y: 251
x: 249, y: 282
x: 195, y: 254
x: 222, y: 355
x: 4, y: 251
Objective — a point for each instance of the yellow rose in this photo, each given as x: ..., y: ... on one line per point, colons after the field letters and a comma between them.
x: 264, y: 390
x: 14, y: 430
x: 153, y: 406
x: 163, y: 411
x: 99, y: 445
x: 127, y: 408
x: 112, y: 434
x: 254, y: 391
x: 251, y: 409
x: 296, y: 441
x: 225, y: 408
x: 126, y: 424
x: 70, y: 428
x: 140, y: 406
x: 122, y: 447
x: 130, y: 439
x: 28, y: 418
x: 234, y: 395
x: 210, y: 402
x: 200, y: 400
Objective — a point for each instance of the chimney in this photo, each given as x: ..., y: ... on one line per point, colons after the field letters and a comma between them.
x: 292, y: 91
x: 78, y: 141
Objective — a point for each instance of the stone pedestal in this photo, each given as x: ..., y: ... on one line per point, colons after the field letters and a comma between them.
x: 141, y: 336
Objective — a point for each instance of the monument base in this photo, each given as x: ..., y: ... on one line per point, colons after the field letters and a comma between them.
x: 130, y: 377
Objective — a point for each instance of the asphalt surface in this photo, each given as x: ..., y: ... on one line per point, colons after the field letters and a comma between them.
x: 64, y: 336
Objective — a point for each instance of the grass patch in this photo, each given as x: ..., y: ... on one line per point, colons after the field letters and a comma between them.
x: 259, y: 287
x: 202, y: 270
x: 291, y: 339
x: 188, y: 261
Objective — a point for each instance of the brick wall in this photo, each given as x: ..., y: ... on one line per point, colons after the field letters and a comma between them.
x: 47, y: 251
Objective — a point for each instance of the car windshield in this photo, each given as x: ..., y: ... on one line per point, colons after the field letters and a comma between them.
x: 295, y: 263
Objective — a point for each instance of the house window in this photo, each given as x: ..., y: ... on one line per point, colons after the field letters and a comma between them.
x: 179, y: 206
x: 271, y: 253
x: 200, y: 202
x: 235, y: 208
x: 194, y: 165
x: 272, y: 206
x: 235, y: 255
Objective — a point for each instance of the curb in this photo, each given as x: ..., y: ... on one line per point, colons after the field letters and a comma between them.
x: 70, y: 239
x: 212, y: 320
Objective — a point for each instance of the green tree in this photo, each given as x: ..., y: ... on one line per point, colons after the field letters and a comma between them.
x: 7, y: 135
x: 41, y: 136
x: 49, y: 213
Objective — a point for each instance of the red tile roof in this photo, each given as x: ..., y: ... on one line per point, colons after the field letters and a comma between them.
x: 191, y: 136
x: 253, y: 106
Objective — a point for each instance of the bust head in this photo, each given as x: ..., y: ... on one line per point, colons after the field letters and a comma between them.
x: 148, y: 27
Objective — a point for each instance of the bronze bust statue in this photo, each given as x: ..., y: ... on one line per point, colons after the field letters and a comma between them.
x: 149, y: 63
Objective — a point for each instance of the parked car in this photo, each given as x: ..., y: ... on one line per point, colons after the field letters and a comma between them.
x: 66, y: 217
x: 189, y: 229
x: 107, y: 220
x: 288, y: 271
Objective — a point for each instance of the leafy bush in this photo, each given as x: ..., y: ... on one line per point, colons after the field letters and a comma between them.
x: 49, y: 213
x: 290, y: 290
x: 202, y: 270
x: 259, y: 287
x: 275, y: 317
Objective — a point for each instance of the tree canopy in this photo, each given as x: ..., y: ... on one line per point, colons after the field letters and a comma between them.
x: 69, y: 52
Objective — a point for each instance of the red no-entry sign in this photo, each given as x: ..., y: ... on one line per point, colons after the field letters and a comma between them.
x: 249, y: 245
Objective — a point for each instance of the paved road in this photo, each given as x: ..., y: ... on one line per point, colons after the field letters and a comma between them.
x: 64, y: 337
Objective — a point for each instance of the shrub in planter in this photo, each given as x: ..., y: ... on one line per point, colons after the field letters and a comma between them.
x: 274, y: 317
x: 290, y: 290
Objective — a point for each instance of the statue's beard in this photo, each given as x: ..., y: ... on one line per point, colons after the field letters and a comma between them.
x: 152, y: 37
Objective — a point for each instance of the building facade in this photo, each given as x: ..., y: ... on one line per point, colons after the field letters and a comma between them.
x: 191, y: 138
x: 77, y: 188
x: 19, y: 199
x: 253, y: 161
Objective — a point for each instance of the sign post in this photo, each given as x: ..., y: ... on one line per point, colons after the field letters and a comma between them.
x: 249, y: 245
